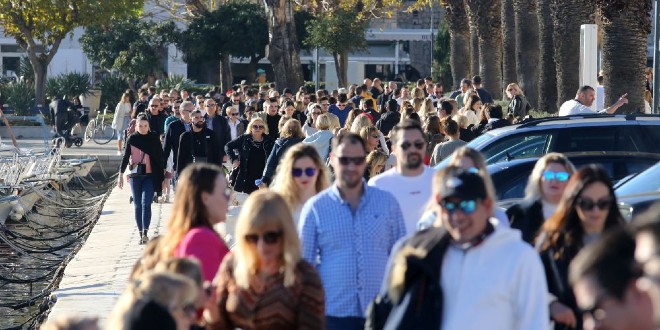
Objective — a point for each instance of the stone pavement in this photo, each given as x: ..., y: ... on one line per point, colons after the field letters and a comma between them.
x: 98, y: 274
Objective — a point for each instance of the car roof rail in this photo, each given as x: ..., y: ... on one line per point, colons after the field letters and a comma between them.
x: 629, y: 116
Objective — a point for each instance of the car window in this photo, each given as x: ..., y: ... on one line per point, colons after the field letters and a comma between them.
x: 650, y: 135
x: 601, y: 138
x: 514, y: 189
x: 533, y: 144
x: 646, y: 181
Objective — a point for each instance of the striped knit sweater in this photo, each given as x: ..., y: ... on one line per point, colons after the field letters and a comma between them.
x: 268, y: 304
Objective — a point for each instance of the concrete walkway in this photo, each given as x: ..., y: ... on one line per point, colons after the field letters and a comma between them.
x: 98, y: 274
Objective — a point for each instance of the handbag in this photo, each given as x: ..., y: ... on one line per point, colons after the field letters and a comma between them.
x: 139, y: 169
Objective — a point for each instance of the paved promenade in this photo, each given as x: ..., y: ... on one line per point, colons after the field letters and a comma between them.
x: 98, y: 274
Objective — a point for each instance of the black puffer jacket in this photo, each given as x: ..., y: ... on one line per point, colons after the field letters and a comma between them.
x: 240, y: 149
x: 280, y: 147
x: 388, y: 121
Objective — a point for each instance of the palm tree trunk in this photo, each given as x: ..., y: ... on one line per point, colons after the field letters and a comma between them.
x: 567, y: 16
x: 459, y: 43
x: 283, y: 47
x: 474, y: 40
x: 509, y: 42
x: 489, y: 29
x: 626, y: 25
x: 547, y: 67
x: 527, y: 49
x: 226, y: 75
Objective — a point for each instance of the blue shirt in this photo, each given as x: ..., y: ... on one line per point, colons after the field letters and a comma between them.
x: 350, y: 251
x: 342, y: 114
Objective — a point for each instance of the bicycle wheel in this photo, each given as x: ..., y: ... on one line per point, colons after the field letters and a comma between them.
x: 89, y: 130
x: 103, y: 133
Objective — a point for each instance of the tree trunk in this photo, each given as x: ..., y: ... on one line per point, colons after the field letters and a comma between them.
x: 474, y: 50
x: 40, y: 73
x: 459, y: 42
x: 489, y: 29
x: 547, y: 67
x: 626, y: 25
x: 509, y: 42
x: 283, y: 48
x: 567, y: 16
x: 341, y: 66
x: 527, y: 49
x: 226, y: 76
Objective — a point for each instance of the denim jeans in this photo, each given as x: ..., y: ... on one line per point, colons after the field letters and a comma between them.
x: 143, y: 194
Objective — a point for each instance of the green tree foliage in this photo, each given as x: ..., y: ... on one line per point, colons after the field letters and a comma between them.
x: 301, y: 18
x: 40, y: 25
x: 133, y: 47
x: 441, y: 54
x: 68, y: 85
x: 339, y: 32
x: 237, y: 28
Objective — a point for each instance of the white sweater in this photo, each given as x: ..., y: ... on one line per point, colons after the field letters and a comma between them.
x: 499, y: 284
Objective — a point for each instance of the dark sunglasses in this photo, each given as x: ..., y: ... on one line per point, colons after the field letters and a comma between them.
x: 298, y: 172
x: 269, y: 237
x: 559, y: 176
x: 155, y: 105
x: 587, y: 204
x: 234, y: 114
x: 258, y: 127
x: 341, y: 105
x: 210, y: 105
x: 406, y: 145
x: 355, y: 160
x: 316, y: 113
x: 466, y: 206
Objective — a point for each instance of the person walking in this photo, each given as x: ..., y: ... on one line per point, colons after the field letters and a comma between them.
x: 410, y: 181
x: 197, y: 145
x: 544, y: 190
x: 347, y: 232
x: 264, y: 283
x: 144, y: 154
x: 120, y: 120
x: 445, y: 149
x: 248, y: 154
x: 290, y: 135
x: 588, y: 208
x: 173, y: 135
x: 201, y: 202
x: 468, y: 273
x: 219, y: 125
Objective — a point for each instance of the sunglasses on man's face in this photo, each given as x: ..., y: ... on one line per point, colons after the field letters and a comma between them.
x: 406, y: 145
x: 341, y: 105
x: 559, y: 176
x: 234, y: 114
x: 298, y: 172
x: 587, y: 204
x: 355, y: 160
x: 269, y: 237
x: 465, y: 206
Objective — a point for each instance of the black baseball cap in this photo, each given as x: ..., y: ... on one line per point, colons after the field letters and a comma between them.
x: 463, y: 185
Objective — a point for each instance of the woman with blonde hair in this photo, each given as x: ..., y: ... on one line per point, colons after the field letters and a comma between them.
x: 265, y: 269
x: 417, y: 103
x: 300, y: 175
x: 544, y: 189
x: 201, y: 201
x: 376, y: 160
x: 427, y: 109
x: 472, y: 110
x: 518, y: 105
x: 290, y: 135
x: 156, y: 300
x: 248, y: 154
x: 322, y: 139
x: 352, y: 116
x: 361, y: 121
x: 466, y: 134
x: 121, y: 119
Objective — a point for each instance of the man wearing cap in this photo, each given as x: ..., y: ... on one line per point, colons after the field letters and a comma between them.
x: 467, y: 272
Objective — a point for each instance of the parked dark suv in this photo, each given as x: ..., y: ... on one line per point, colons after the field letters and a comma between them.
x: 582, y: 133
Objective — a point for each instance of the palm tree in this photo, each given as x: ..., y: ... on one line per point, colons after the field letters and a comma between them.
x: 486, y: 15
x: 547, y: 100
x: 626, y: 25
x: 509, y: 42
x: 527, y: 48
x: 459, y: 32
x: 567, y: 16
x: 474, y: 51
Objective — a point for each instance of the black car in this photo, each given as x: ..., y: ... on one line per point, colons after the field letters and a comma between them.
x: 569, y: 134
x: 510, y: 178
x: 638, y: 193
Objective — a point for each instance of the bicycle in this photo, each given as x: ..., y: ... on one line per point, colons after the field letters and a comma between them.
x: 99, y: 130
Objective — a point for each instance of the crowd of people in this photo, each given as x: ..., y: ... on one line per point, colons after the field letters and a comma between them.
x: 346, y: 226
